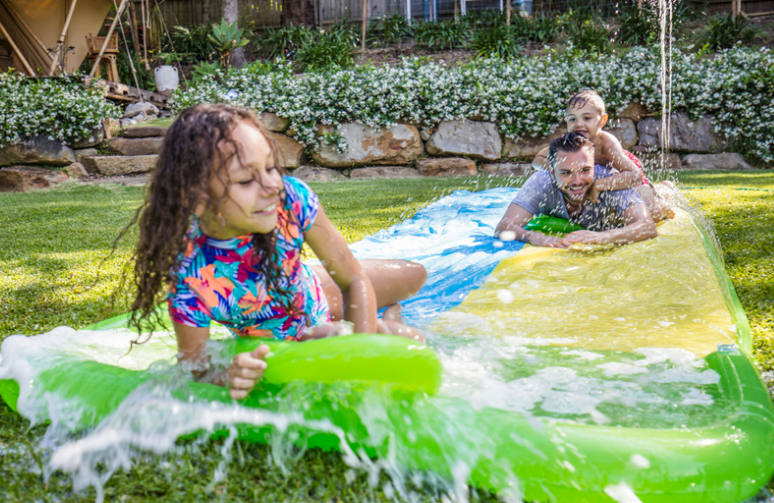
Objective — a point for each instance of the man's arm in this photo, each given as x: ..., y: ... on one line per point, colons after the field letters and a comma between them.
x: 540, y: 161
x: 511, y: 228
x: 639, y: 227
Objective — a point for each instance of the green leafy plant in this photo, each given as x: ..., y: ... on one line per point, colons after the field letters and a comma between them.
x: 275, y: 41
x: 637, y: 26
x: 537, y: 28
x: 441, y: 35
x: 392, y: 29
x: 590, y: 35
x: 226, y: 38
x: 145, y: 79
x: 333, y: 49
x: 726, y: 30
x: 496, y: 41
x: 204, y: 71
x: 190, y: 44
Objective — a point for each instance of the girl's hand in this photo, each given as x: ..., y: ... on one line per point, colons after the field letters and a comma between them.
x: 593, y: 194
x: 246, y: 369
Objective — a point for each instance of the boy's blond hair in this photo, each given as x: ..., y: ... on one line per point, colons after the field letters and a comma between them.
x: 585, y: 96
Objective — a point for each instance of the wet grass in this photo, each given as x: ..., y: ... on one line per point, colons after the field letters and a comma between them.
x: 56, y: 269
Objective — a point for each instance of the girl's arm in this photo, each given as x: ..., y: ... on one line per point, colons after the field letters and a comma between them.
x: 332, y: 250
x: 629, y: 175
x: 246, y: 368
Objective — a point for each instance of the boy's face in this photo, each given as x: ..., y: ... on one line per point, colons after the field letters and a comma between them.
x: 585, y: 121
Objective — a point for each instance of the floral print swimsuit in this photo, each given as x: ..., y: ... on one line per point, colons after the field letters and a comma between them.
x: 216, y: 280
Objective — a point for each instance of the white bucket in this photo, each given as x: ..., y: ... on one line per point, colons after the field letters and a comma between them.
x: 167, y: 78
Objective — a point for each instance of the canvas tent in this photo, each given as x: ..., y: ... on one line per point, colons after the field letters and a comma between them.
x: 29, y: 28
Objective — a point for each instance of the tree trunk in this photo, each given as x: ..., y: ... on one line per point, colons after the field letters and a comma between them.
x: 297, y: 13
x: 231, y: 14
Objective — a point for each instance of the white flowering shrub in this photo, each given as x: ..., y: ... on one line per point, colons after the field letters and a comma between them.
x: 63, y: 109
x: 525, y: 97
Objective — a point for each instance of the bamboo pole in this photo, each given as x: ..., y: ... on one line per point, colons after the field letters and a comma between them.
x: 20, y: 21
x: 365, y: 25
x: 135, y: 36
x: 60, y: 42
x: 17, y: 51
x: 508, y: 14
x: 107, y: 38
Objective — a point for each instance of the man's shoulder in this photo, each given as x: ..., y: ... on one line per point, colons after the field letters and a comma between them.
x: 601, y: 171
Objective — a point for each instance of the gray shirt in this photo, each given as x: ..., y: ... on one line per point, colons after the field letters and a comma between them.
x: 540, y: 196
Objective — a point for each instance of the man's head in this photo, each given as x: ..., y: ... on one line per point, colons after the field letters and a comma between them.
x: 571, y: 157
x: 586, y: 113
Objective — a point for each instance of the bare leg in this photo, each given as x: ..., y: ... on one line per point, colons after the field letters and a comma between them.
x: 393, y: 281
x: 658, y: 207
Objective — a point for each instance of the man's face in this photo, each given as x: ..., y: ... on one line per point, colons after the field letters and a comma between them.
x: 573, y: 173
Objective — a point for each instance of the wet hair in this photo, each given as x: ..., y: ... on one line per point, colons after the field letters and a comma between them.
x: 569, y: 143
x: 197, y: 147
x: 586, y: 96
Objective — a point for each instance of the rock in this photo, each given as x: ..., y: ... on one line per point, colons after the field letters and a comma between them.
x: 136, y: 146
x: 527, y: 148
x: 655, y: 160
x: 273, y: 122
x: 24, y: 178
x: 385, y: 172
x: 507, y: 169
x: 111, y: 127
x: 715, y: 161
x: 125, y: 123
x: 396, y: 145
x: 314, y: 174
x: 289, y: 151
x: 145, y: 131
x: 37, y: 150
x: 685, y: 134
x: 85, y: 152
x: 77, y: 170
x: 425, y: 133
x: 141, y: 107
x: 96, y: 137
x: 624, y: 130
x: 449, y: 166
x: 114, y: 165
x: 480, y: 140
x: 634, y: 111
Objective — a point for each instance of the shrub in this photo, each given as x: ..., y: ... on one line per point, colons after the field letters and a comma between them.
x: 334, y: 49
x: 497, y: 41
x: 524, y: 96
x: 392, y: 29
x: 441, y: 35
x: 275, y: 40
x: 537, y: 28
x: 190, y: 44
x: 62, y: 108
x: 637, y: 26
x: 590, y: 35
x: 724, y: 31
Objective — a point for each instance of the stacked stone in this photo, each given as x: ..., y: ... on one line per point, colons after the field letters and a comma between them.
x: 454, y: 148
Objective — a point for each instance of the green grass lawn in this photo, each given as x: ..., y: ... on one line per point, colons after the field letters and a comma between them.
x: 56, y: 268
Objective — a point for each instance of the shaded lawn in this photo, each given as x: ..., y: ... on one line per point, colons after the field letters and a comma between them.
x: 56, y: 269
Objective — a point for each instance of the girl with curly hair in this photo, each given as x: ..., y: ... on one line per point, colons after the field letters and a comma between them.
x: 221, y: 235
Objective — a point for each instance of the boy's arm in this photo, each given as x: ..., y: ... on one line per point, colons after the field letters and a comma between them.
x: 511, y: 228
x: 629, y: 175
x: 540, y: 162
x: 639, y: 227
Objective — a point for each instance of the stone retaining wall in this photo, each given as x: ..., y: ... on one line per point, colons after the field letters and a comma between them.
x: 453, y: 148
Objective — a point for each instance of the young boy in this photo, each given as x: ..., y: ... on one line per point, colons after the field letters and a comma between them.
x: 586, y: 116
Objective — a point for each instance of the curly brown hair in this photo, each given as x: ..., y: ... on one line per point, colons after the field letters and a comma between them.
x: 196, y: 147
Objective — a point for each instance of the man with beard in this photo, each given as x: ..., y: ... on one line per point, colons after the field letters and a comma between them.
x: 619, y: 217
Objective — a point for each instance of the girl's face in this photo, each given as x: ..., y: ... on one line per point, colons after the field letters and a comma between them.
x: 246, y: 192
x: 585, y: 121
